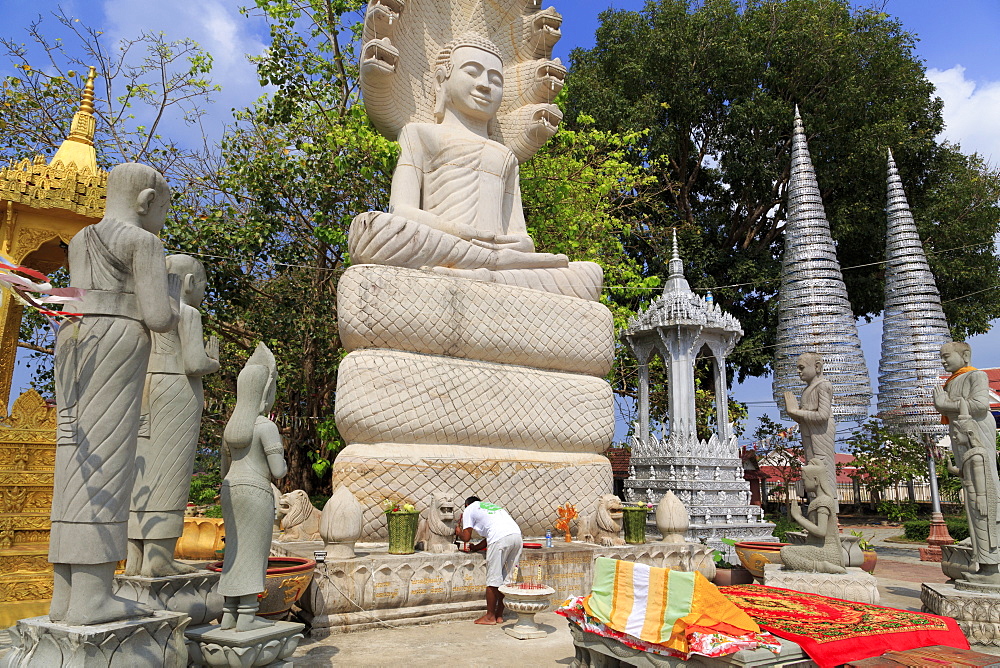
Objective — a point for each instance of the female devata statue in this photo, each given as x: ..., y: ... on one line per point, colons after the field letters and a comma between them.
x: 252, y: 455
x: 466, y: 87
x: 822, y: 552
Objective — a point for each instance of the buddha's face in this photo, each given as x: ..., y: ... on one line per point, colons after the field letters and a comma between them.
x: 475, y: 86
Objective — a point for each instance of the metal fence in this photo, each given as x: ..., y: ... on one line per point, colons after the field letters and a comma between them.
x: 919, y: 491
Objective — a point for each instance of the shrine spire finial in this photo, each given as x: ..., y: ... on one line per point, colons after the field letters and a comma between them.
x: 78, y: 148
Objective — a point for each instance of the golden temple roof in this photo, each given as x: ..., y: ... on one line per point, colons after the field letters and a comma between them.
x: 71, y: 180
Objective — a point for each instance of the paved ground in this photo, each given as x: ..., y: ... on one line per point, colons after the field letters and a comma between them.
x: 467, y: 645
x: 462, y: 643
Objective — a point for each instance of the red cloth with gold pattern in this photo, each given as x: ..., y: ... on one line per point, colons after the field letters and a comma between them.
x: 832, y: 631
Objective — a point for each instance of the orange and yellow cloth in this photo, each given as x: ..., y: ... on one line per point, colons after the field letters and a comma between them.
x: 660, y: 605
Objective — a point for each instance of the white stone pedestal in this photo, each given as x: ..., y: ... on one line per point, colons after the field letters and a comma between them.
x: 208, y: 645
x: 526, y: 602
x: 854, y: 585
x: 977, y: 612
x: 195, y: 594
x: 145, y: 641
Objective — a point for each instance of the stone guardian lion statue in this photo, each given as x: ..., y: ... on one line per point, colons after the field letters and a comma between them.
x: 603, y: 525
x: 436, y: 530
x: 298, y: 518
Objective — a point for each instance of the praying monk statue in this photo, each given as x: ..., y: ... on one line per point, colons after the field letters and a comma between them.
x: 100, y: 366
x: 455, y: 204
x: 814, y: 414
x: 964, y: 403
x: 168, y: 437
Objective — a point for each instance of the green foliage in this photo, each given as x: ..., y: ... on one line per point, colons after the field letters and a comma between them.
x: 780, y: 447
x: 863, y: 542
x: 205, y: 487
x: 958, y: 528
x: 884, y: 458
x: 898, y: 511
x: 213, y: 511
x: 715, y: 83
x: 142, y: 85
x: 782, y: 525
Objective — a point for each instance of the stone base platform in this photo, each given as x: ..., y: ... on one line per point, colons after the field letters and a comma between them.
x: 594, y: 651
x: 855, y: 585
x: 195, y: 594
x: 208, y: 645
x: 977, y: 612
x: 376, y: 587
x: 529, y: 484
x: 146, y: 641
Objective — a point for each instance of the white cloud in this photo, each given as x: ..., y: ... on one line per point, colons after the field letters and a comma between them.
x: 219, y: 29
x: 969, y: 111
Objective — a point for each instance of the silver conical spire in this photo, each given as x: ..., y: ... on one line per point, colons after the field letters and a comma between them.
x: 914, y: 327
x: 814, y: 314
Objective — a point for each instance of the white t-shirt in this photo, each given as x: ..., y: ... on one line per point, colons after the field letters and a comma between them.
x: 489, y: 520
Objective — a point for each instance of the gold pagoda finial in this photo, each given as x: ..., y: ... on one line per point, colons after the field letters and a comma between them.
x: 87, y: 105
x: 78, y: 148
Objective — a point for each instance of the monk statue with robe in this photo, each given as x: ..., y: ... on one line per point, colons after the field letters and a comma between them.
x: 964, y: 403
x: 814, y: 415
x: 171, y: 422
x: 100, y: 366
x: 455, y: 203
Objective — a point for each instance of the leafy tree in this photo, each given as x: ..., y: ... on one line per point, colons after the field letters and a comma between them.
x: 142, y: 84
x: 779, y: 447
x: 300, y: 164
x: 884, y: 458
x: 716, y: 81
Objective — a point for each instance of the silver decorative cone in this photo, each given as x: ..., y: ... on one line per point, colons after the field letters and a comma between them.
x: 914, y: 327
x: 814, y: 314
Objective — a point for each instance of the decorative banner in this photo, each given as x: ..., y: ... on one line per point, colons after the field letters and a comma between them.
x: 21, y: 289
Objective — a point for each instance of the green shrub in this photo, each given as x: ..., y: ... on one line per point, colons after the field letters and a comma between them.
x: 204, y: 487
x: 213, y: 511
x: 958, y: 528
x: 782, y: 525
x: 898, y: 511
x: 916, y: 529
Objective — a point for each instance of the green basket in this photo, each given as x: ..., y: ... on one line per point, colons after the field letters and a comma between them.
x: 402, y: 531
x: 634, y: 523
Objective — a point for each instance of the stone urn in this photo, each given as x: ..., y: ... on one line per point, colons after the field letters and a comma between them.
x: 201, y: 538
x: 754, y: 555
x: 286, y: 581
x: 957, y: 561
x: 526, y: 600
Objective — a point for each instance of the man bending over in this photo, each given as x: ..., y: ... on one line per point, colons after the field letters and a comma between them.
x: 503, y: 536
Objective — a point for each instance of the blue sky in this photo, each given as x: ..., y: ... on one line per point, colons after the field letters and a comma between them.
x: 958, y: 42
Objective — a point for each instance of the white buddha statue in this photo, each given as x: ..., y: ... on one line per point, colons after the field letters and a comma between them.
x: 455, y: 205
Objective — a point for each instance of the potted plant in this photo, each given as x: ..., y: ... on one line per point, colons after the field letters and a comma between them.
x: 726, y: 574
x: 634, y: 521
x: 871, y: 557
x: 402, y: 519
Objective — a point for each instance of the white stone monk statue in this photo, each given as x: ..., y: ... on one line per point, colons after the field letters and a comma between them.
x: 455, y: 204
x: 814, y: 414
x: 964, y: 403
x: 100, y: 366
x: 172, y: 405
x: 252, y: 455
